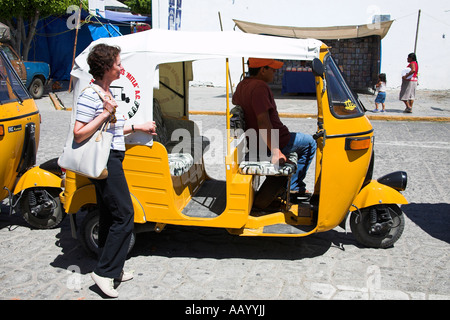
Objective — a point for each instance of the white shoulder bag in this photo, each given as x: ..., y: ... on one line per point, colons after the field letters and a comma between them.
x: 90, y: 157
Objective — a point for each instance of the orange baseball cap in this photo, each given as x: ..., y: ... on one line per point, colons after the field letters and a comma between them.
x: 258, y: 63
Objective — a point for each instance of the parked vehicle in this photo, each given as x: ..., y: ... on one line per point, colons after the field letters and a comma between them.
x: 168, y: 181
x: 33, y: 189
x: 34, y: 75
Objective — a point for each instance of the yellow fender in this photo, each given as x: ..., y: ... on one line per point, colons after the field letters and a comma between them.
x: 376, y: 193
x: 86, y: 195
x: 37, y: 177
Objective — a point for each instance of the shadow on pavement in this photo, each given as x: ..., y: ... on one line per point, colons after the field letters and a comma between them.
x: 215, y: 243
x: 212, y: 243
x: 433, y: 218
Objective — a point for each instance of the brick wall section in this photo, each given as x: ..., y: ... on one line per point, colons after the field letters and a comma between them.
x: 357, y: 58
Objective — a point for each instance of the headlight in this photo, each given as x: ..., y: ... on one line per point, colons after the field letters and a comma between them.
x: 396, y: 180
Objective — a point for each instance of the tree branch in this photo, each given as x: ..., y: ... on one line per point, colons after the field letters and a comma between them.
x: 31, y: 34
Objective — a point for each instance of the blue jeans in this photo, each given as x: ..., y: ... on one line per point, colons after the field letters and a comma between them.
x: 305, y: 146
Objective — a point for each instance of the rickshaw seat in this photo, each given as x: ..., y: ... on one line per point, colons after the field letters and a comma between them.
x: 179, y: 162
x: 259, y: 167
x: 266, y: 168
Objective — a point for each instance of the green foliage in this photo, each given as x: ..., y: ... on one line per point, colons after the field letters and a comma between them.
x: 140, y: 6
x: 22, y: 16
x: 28, y: 8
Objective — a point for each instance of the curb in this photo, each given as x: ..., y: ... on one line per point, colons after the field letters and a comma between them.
x: 310, y: 115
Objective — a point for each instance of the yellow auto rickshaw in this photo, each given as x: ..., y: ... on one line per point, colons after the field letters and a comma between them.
x: 33, y: 189
x: 167, y: 178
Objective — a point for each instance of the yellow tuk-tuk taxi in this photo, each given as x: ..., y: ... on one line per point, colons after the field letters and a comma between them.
x: 166, y: 174
x: 33, y: 189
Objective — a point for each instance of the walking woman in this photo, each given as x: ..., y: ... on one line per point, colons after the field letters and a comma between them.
x: 96, y: 105
x: 409, y: 83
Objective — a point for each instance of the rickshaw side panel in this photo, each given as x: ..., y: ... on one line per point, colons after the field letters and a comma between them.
x: 240, y: 192
x: 78, y: 192
x: 162, y: 196
x: 340, y: 170
x: 85, y: 195
x: 12, y: 142
x: 342, y: 177
x: 148, y: 176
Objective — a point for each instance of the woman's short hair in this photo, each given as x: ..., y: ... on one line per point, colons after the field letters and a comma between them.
x: 101, y: 58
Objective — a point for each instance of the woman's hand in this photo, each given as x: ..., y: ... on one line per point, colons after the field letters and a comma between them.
x: 147, y: 127
x: 109, y: 108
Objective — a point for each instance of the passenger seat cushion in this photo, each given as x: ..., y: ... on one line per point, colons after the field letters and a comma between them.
x: 261, y: 168
x: 266, y: 168
x: 180, y: 163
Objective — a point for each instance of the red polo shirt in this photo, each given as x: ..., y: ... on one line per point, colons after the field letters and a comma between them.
x: 255, y: 97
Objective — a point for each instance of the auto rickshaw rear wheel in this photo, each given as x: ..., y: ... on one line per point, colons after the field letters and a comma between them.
x: 378, y: 226
x: 89, y: 233
x: 41, y: 207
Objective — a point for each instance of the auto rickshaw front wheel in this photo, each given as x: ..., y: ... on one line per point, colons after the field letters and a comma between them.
x: 89, y: 233
x: 377, y: 226
x: 41, y: 207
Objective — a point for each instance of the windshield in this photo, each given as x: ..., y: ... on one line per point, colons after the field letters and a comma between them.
x: 343, y: 103
x: 11, y: 88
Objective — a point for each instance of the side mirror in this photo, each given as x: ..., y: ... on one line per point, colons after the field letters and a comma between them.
x: 317, y: 68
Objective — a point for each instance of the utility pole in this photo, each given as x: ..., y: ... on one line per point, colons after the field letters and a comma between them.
x: 417, y: 30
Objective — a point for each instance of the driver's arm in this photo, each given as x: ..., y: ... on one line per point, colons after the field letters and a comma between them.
x: 264, y: 123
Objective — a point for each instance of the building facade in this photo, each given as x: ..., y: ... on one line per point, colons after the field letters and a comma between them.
x: 428, y: 34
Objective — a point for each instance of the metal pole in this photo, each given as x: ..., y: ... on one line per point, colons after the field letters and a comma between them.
x: 228, y: 70
x: 75, y: 45
x: 417, y: 31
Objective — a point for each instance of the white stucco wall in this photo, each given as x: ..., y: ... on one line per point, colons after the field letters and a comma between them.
x: 433, y: 46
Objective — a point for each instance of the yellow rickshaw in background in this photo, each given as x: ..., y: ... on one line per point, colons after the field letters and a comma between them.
x: 33, y: 189
x: 167, y: 178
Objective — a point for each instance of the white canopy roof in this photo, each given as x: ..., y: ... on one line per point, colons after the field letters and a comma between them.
x: 143, y: 52
x: 163, y: 46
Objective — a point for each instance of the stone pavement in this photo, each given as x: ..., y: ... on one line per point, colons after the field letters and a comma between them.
x: 184, y: 263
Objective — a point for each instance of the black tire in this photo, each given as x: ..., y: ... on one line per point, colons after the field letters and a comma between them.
x: 89, y: 234
x: 36, y: 88
x: 385, y: 238
x: 41, y: 207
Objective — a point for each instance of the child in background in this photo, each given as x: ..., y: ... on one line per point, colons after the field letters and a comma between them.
x: 381, y: 89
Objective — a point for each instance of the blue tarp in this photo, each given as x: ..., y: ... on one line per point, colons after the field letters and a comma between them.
x: 54, y: 41
x: 126, y: 17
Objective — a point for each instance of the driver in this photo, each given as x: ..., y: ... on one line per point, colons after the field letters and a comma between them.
x: 256, y: 99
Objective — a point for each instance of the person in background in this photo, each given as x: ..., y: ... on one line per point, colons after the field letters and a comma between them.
x: 381, y: 95
x: 409, y: 83
x: 255, y: 97
x: 113, y: 197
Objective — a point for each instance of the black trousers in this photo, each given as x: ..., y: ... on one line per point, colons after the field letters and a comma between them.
x: 116, y: 218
